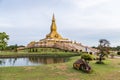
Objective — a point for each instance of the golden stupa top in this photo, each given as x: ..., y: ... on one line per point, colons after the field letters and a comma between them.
x: 53, y: 25
x: 53, y: 33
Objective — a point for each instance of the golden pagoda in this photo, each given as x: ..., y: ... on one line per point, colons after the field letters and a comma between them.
x: 55, y: 40
x: 53, y: 33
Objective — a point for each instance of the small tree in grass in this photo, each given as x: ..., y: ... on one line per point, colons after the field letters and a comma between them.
x: 103, y: 49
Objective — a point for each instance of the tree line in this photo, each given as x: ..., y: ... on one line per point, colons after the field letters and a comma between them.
x: 4, y: 37
x: 116, y: 48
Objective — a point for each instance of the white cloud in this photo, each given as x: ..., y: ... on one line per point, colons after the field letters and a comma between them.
x: 5, y: 25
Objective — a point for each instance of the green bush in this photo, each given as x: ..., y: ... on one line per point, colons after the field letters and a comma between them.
x: 118, y: 53
x: 86, y: 57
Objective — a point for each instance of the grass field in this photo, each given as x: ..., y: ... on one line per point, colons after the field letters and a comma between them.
x: 39, y: 51
x: 63, y: 71
x: 40, y: 54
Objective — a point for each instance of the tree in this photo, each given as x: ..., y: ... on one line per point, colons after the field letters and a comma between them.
x: 3, y: 40
x: 12, y: 48
x: 118, y: 48
x: 103, y: 49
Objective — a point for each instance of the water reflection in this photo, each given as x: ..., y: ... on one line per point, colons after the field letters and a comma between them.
x: 47, y: 60
x: 31, y: 61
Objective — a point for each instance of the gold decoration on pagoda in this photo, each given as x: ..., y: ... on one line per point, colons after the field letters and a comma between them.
x: 53, y: 33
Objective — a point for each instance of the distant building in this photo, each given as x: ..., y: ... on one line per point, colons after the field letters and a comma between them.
x: 55, y: 40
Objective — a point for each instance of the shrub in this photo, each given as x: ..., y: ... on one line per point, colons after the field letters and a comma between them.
x: 118, y: 53
x: 86, y: 57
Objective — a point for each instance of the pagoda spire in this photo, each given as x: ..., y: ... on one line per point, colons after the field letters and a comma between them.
x: 53, y: 18
x: 53, y: 30
x: 53, y: 25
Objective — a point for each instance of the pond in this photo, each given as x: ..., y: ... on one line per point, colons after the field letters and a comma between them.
x: 31, y: 61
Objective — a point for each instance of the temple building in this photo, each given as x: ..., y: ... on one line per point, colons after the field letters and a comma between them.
x: 55, y: 40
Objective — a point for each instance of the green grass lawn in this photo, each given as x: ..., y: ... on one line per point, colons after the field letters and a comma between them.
x: 47, y: 54
x: 39, y: 51
x: 63, y: 71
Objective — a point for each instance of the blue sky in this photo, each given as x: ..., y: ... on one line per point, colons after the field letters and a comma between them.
x: 84, y: 21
